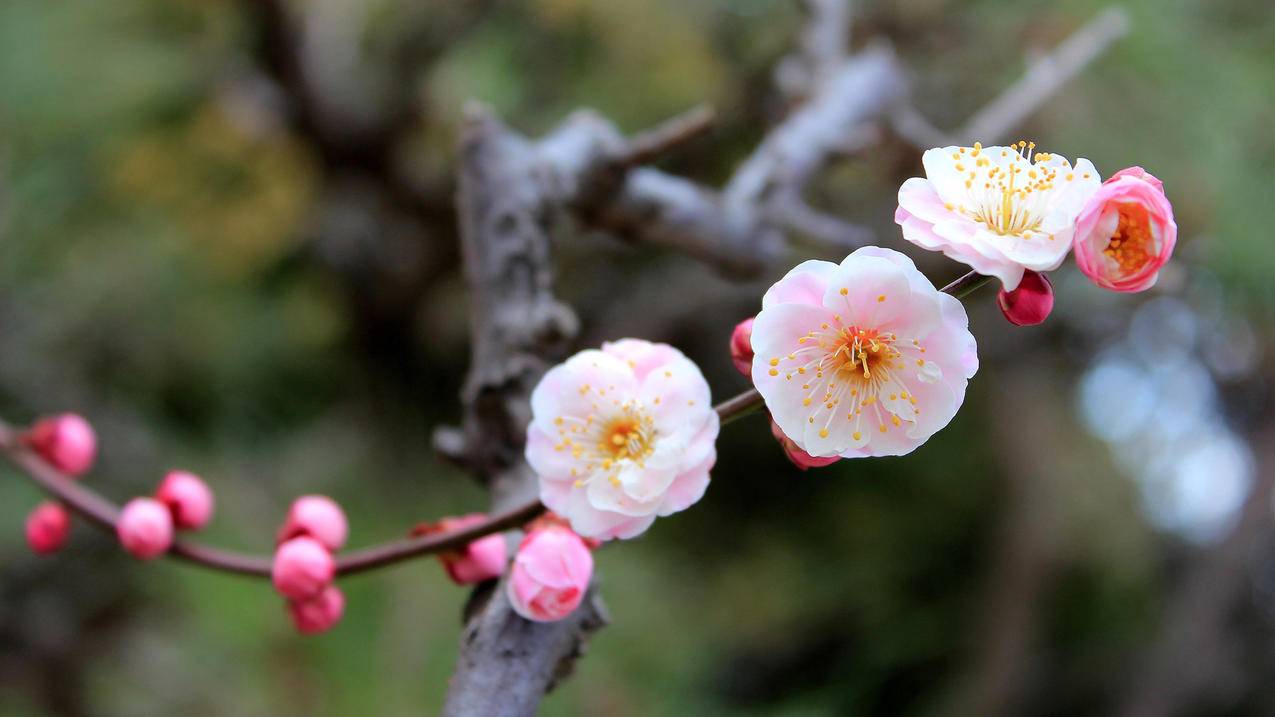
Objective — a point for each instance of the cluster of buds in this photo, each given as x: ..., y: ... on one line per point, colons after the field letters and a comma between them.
x: 146, y: 525
x: 304, y: 568
x: 66, y: 442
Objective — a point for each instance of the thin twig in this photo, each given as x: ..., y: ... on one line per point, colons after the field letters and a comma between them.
x: 650, y: 145
x: 1043, y: 79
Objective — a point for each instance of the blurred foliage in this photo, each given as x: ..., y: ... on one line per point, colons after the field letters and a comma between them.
x: 160, y: 270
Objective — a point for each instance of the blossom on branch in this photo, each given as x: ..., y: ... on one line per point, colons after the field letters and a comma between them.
x: 1126, y: 232
x: 550, y: 575
x: 861, y: 358
x: 622, y: 435
x: 1000, y: 210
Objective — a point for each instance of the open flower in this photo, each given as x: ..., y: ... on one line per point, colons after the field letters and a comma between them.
x: 998, y: 209
x: 621, y: 435
x: 1126, y: 232
x: 862, y: 358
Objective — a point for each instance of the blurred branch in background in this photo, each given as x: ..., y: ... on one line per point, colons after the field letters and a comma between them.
x: 1044, y: 77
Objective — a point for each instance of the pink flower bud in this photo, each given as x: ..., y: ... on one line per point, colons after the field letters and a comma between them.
x: 1030, y: 303
x: 145, y: 528
x: 67, y: 442
x: 741, y: 347
x: 302, y: 568
x: 550, y: 575
x: 319, y: 517
x: 48, y: 527
x: 319, y: 613
x: 188, y: 497
x: 481, y: 560
x: 1126, y: 232
x: 799, y: 458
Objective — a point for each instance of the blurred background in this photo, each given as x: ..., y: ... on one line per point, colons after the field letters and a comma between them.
x: 232, y: 246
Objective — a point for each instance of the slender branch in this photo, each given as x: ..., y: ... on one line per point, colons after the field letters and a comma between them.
x: 650, y: 145
x: 1043, y: 79
x: 966, y: 285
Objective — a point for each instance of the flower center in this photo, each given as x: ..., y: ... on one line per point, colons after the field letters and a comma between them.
x: 602, y: 443
x: 857, y: 353
x: 854, y: 375
x: 1131, y: 244
x: 1008, y: 196
x: 628, y: 436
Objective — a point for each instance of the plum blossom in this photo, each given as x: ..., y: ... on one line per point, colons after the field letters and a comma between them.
x: 622, y: 435
x: 1126, y: 232
x: 551, y: 574
x: 861, y: 358
x: 1000, y: 210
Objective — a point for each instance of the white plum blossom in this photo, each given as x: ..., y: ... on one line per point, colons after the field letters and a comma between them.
x: 861, y: 358
x: 999, y: 210
x: 622, y: 435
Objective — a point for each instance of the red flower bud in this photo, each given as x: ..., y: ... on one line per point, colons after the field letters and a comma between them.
x: 188, y: 497
x: 48, y: 528
x: 741, y: 347
x: 1030, y: 303
x: 145, y: 528
x: 67, y: 442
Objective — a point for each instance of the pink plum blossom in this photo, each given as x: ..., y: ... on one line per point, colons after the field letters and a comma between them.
x: 741, y: 347
x: 319, y: 613
x: 622, y: 435
x: 189, y: 499
x: 1126, y: 232
x: 319, y: 517
x: 798, y: 457
x: 67, y: 442
x: 550, y: 575
x: 480, y: 560
x: 1030, y: 303
x: 861, y: 358
x: 145, y: 528
x: 48, y: 528
x: 1000, y: 210
x: 302, y: 568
